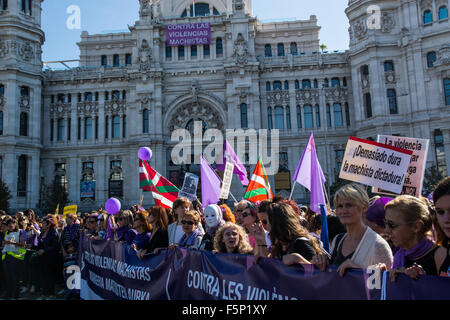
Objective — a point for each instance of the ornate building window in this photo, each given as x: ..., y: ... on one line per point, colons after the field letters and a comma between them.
x: 1, y: 122
x: 96, y: 127
x: 219, y: 47
x: 280, y: 49
x: 61, y: 97
x: 168, y: 53
x: 2, y: 88
x: 277, y: 85
x: 316, y: 84
x: 427, y: 17
x: 106, y: 95
x: 365, y: 70
x: 279, y: 121
x: 308, y: 114
x: 3, y: 4
x: 431, y: 59
x: 88, y: 96
x: 116, y: 179
x: 440, y: 152
x: 194, y: 52
x: 294, y: 50
x: 388, y: 66
x: 145, y: 125
x: 60, y: 175
x: 128, y: 59
x: 306, y: 83
x: 88, y: 128
x: 286, y: 85
x: 392, y: 99
x: 124, y: 126
x: 317, y: 108
x: 79, y: 128
x: 368, y: 105
x: 69, y: 128
x: 297, y: 85
x: 337, y: 113
x: 299, y: 117
x: 116, y: 127
x: 344, y: 82
x: 201, y: 9
x: 325, y: 83
x: 116, y: 60
x: 335, y: 82
x: 104, y: 61
x: 124, y: 95
x: 268, y: 86
x: 443, y: 13
x: 60, y: 130
x: 87, y: 181
x: 269, y: 118
x: 206, y: 51
x: 23, y: 130
x: 22, y: 176
x: 181, y: 53
x: 347, y: 114
x: 52, y: 123
x: 26, y: 6
x: 106, y: 127
x: 447, y: 91
x: 96, y: 96
x: 115, y: 95
x: 268, y: 51
x: 244, y: 120
x: 328, y: 116
x: 288, y: 118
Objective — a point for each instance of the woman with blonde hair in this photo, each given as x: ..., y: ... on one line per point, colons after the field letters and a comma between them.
x: 124, y: 232
x: 360, y: 247
x: 232, y: 238
x: 408, y: 225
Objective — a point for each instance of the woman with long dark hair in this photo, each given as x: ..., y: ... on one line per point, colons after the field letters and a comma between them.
x: 160, y: 237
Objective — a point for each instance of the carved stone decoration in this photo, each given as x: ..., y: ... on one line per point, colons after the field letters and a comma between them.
x: 60, y: 109
x: 88, y: 108
x: 145, y: 102
x: 443, y: 56
x: 238, y: 5
x: 2, y: 101
x: 243, y: 94
x: 278, y: 97
x: 307, y: 96
x: 360, y: 29
x: 336, y: 94
x: 387, y: 22
x: 26, y: 51
x: 4, y: 48
x: 115, y: 106
x: 194, y: 91
x: 145, y: 8
x: 25, y: 102
x: 240, y: 50
x: 201, y: 111
x: 389, y: 77
x: 145, y: 56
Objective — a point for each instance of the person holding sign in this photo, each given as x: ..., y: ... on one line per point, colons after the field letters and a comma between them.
x: 360, y: 247
x: 408, y: 225
x: 441, y: 221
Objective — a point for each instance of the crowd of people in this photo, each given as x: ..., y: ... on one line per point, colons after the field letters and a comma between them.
x: 402, y: 235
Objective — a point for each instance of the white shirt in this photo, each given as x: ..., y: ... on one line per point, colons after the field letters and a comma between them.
x: 179, y: 233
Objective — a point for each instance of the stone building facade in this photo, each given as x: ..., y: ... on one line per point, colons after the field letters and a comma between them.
x: 84, y: 126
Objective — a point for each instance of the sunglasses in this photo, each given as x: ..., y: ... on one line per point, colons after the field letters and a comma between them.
x: 393, y: 225
x: 246, y: 214
x: 187, y: 222
x: 264, y: 222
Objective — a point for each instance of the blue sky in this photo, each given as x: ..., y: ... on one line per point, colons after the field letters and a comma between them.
x: 98, y: 16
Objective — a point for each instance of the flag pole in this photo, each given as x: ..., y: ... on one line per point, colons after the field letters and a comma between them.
x: 292, y: 189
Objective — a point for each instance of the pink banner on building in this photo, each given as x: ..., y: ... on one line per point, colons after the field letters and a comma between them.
x: 188, y: 34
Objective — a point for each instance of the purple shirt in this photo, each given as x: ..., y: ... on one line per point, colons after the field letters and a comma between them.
x: 126, y: 234
x: 141, y: 239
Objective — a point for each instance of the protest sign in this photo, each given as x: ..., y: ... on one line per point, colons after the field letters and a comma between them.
x: 416, y: 170
x: 226, y: 183
x: 189, y: 189
x: 375, y: 164
x: 112, y: 271
x: 188, y: 34
x: 69, y: 209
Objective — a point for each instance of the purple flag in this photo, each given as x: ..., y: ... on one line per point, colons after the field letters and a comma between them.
x: 109, y: 229
x: 310, y: 175
x: 230, y: 156
x: 210, y: 184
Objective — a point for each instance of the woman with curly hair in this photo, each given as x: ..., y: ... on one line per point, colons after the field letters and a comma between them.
x: 232, y: 238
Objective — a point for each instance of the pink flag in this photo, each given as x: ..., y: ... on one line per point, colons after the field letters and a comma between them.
x: 310, y: 175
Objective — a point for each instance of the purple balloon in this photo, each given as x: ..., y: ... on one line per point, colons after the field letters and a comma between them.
x: 112, y: 206
x: 144, y: 153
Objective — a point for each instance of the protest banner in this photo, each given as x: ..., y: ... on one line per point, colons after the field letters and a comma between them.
x: 189, y: 189
x: 188, y: 34
x: 226, y: 183
x: 69, y: 209
x: 112, y: 271
x: 416, y: 170
x: 375, y: 164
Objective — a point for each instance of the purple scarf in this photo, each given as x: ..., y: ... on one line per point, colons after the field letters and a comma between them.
x: 189, y: 240
x: 414, y: 253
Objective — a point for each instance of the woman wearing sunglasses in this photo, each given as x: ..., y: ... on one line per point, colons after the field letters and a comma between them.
x: 192, y: 236
x: 124, y: 233
x: 143, y: 229
x: 408, y: 225
x: 441, y: 221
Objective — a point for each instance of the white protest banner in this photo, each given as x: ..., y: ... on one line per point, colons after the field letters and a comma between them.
x: 416, y: 170
x: 375, y: 164
x: 189, y: 189
x: 226, y: 183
